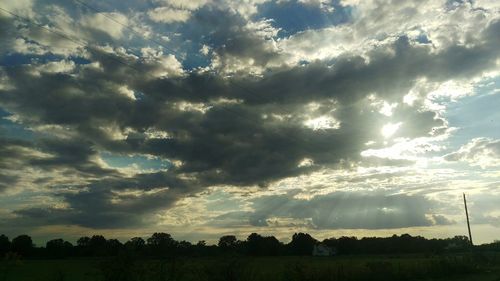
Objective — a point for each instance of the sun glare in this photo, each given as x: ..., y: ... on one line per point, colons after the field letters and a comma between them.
x: 389, y: 129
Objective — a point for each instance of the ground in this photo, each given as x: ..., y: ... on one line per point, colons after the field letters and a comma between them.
x: 406, y: 267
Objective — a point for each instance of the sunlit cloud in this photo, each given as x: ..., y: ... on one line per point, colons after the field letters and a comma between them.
x: 389, y: 129
x: 322, y: 123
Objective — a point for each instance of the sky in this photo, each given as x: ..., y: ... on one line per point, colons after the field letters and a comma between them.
x: 205, y: 118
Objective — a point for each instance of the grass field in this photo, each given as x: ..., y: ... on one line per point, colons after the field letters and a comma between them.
x: 458, y: 267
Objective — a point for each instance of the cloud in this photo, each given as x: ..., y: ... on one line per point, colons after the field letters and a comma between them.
x: 188, y: 5
x: 169, y: 15
x: 101, y: 22
x: 483, y: 207
x: 483, y: 152
x: 237, y: 45
x: 7, y: 181
x: 175, y: 11
x: 258, y: 109
x: 112, y: 202
x: 235, y: 143
x: 341, y: 210
x: 15, y: 156
x: 22, y: 7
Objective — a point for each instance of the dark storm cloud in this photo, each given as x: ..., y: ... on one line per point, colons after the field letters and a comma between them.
x: 105, y: 199
x: 229, y: 36
x: 118, y: 202
x: 7, y: 181
x: 73, y: 154
x: 85, y: 217
x: 342, y: 210
x: 68, y: 100
x: 6, y: 33
x: 14, y: 155
x: 55, y: 157
x: 389, y: 75
x: 11, y: 149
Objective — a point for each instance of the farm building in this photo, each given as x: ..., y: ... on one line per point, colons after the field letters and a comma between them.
x: 321, y: 250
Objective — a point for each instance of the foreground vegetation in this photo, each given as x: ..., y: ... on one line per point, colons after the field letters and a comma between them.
x: 467, y: 266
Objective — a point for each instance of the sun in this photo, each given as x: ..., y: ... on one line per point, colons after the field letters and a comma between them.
x: 389, y: 129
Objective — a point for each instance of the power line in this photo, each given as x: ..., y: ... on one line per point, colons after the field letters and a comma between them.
x: 68, y: 37
x: 61, y: 34
x: 234, y: 83
x: 125, y: 25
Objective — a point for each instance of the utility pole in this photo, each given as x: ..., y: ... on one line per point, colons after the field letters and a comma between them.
x: 468, y: 224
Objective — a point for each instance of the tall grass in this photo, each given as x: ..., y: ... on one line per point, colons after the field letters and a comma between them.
x: 238, y: 268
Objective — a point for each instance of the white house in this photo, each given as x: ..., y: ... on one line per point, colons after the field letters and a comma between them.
x: 321, y: 250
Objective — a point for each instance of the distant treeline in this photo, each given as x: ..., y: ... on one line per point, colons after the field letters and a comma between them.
x: 161, y: 245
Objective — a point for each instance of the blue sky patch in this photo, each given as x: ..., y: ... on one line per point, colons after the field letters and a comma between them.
x: 11, y: 129
x: 293, y: 16
x: 19, y: 59
x: 477, y: 115
x: 143, y: 162
x: 14, y: 59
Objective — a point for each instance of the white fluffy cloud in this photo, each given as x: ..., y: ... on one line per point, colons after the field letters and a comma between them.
x: 483, y: 152
x: 169, y: 15
x: 186, y: 5
x: 102, y: 22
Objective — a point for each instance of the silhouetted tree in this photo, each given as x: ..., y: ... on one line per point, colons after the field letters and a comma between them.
x: 347, y: 245
x: 4, y: 245
x: 58, y: 248
x: 136, y: 245
x: 458, y: 243
x: 184, y: 248
x: 495, y: 246
x: 22, y: 245
x: 258, y: 245
x: 227, y: 242
x: 83, y: 246
x: 302, y: 244
x: 161, y: 244
x: 97, y: 245
x: 113, y: 247
x: 97, y: 241
x: 202, y: 249
x: 83, y: 241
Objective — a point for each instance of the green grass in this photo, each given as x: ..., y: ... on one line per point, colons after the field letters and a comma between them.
x: 354, y: 268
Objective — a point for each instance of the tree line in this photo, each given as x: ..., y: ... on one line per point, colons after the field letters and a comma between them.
x: 161, y: 245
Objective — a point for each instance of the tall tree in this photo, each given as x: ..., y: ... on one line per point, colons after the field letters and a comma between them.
x: 136, y: 244
x: 83, y: 241
x: 258, y: 245
x: 58, y: 248
x: 22, y: 245
x: 161, y: 244
x: 4, y: 244
x: 227, y: 242
x: 302, y: 244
